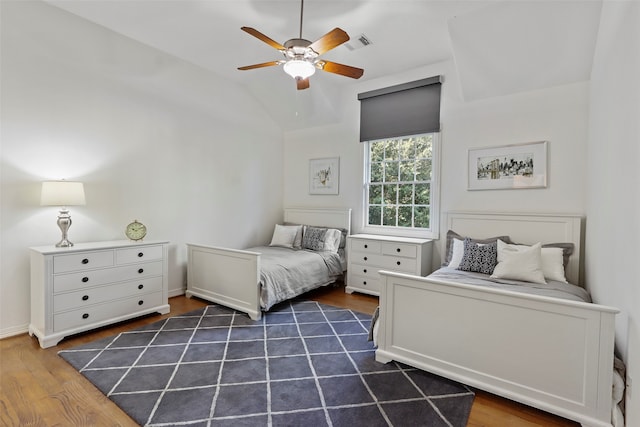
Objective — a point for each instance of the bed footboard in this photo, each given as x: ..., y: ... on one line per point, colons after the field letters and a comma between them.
x: 551, y: 354
x: 229, y: 277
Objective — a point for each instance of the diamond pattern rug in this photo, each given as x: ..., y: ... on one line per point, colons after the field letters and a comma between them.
x: 303, y: 363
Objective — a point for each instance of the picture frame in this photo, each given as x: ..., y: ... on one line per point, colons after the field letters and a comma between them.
x: 324, y: 175
x: 514, y: 166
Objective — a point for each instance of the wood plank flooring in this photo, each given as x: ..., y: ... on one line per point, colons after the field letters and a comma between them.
x: 38, y: 388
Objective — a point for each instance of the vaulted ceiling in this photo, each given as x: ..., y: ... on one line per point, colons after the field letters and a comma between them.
x: 499, y: 47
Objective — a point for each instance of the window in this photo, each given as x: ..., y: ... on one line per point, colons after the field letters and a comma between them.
x: 400, y: 185
x: 400, y: 127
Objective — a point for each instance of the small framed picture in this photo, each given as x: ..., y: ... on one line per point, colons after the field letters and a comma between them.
x: 324, y: 175
x: 508, y: 167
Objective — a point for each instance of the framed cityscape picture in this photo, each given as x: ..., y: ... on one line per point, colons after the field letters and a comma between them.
x: 508, y: 167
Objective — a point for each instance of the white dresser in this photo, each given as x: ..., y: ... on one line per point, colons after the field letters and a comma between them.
x: 368, y: 254
x: 90, y: 285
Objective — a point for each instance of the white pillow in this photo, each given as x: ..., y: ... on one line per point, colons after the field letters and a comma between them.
x: 332, y: 240
x: 284, y: 235
x: 519, y: 263
x: 456, y: 253
x: 552, y: 260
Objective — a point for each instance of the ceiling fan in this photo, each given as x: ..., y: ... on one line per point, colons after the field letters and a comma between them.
x: 302, y: 56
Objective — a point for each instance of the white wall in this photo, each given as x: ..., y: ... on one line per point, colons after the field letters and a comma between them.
x: 152, y: 137
x: 613, y: 203
x: 558, y: 115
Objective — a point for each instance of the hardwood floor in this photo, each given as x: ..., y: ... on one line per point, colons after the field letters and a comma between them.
x: 38, y: 388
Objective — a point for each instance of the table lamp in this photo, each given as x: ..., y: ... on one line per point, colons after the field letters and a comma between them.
x: 63, y: 194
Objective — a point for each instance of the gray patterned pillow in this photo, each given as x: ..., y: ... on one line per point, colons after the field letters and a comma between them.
x: 479, y: 258
x: 313, y: 238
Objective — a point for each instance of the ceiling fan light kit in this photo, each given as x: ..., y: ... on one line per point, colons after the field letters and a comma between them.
x: 301, y: 56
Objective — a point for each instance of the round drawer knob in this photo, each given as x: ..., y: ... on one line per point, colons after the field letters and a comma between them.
x: 398, y: 250
x: 85, y: 261
x: 140, y: 286
x: 364, y: 283
x: 140, y: 270
x: 364, y: 271
x: 140, y: 302
x: 85, y: 297
x: 366, y: 246
x: 85, y: 279
x: 365, y: 258
x: 398, y: 262
x: 85, y: 316
x: 140, y: 254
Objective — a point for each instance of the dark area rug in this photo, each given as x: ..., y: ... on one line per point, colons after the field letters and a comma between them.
x: 303, y: 364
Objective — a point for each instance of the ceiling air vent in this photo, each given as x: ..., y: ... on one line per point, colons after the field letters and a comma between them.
x: 358, y: 42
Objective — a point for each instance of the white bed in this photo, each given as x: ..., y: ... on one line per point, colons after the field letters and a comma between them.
x: 232, y: 277
x: 552, y: 354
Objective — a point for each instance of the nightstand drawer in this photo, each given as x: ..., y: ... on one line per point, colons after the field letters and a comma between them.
x: 100, y: 294
x: 370, y: 283
x: 82, y: 261
x: 86, y: 279
x: 400, y: 250
x: 139, y: 254
x: 101, y: 312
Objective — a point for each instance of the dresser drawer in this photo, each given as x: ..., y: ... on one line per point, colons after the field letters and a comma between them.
x: 385, y: 262
x: 400, y: 250
x: 100, y: 294
x: 97, y: 313
x: 369, y: 283
x: 82, y: 261
x: 87, y: 279
x: 139, y: 254
x: 366, y: 246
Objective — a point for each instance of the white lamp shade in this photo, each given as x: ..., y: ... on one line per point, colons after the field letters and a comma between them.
x: 299, y: 68
x: 62, y: 193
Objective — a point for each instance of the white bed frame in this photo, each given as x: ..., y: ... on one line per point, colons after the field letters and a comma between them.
x: 551, y: 354
x: 231, y: 277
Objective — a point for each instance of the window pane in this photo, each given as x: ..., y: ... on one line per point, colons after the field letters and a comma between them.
x: 423, y: 170
x: 422, y: 216
x: 391, y: 171
x: 423, y: 195
x: 375, y: 194
x: 376, y: 172
x: 375, y: 215
x: 390, y: 194
x: 389, y: 217
x: 391, y: 150
x: 408, y: 149
x: 405, y: 194
x: 406, y: 171
x: 377, y: 151
x: 404, y: 216
x: 424, y: 147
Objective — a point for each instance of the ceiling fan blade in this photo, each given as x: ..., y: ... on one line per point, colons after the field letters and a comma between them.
x: 264, y: 64
x: 330, y: 40
x: 343, y: 70
x: 302, y: 83
x: 267, y: 40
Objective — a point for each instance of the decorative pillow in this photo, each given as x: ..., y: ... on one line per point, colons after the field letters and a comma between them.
x: 518, y: 263
x: 480, y: 258
x: 457, y: 249
x: 554, y: 258
x: 283, y: 236
x: 297, y: 242
x: 332, y: 240
x: 313, y: 238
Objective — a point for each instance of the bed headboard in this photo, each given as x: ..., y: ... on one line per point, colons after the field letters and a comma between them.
x: 325, y: 217
x: 524, y: 228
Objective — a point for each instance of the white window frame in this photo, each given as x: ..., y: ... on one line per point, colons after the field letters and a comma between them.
x: 433, y: 232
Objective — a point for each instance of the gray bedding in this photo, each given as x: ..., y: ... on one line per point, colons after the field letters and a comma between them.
x: 286, y: 273
x: 551, y: 289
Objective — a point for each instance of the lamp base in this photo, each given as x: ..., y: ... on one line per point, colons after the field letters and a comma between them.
x: 64, y: 222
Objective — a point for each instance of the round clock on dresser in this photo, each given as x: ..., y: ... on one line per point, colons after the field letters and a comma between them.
x: 136, y: 230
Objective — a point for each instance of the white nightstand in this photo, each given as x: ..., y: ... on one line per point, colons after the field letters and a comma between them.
x: 368, y: 254
x: 90, y: 285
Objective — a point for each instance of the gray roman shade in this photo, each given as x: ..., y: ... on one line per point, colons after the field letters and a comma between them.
x: 406, y: 109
